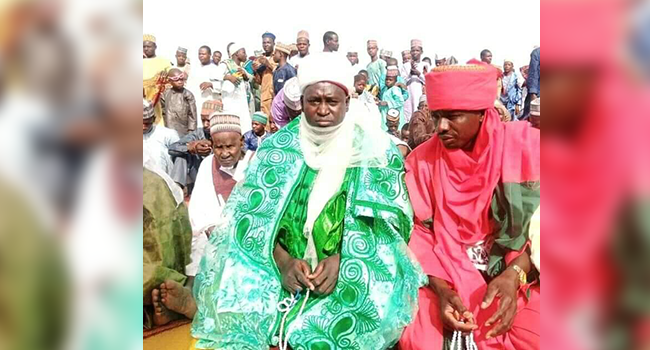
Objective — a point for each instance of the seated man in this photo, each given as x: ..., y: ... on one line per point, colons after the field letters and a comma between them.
x: 188, y: 152
x: 321, y: 219
x: 474, y: 187
x: 216, y: 179
x: 166, y: 240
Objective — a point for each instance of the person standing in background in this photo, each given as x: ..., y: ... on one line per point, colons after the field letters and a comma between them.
x: 415, y: 80
x: 302, y: 43
x: 265, y: 65
x: 532, y: 83
x: 284, y: 71
x: 330, y: 42
x: 154, y: 70
x: 510, y: 90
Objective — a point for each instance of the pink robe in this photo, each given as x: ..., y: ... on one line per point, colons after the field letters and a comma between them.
x: 451, y: 192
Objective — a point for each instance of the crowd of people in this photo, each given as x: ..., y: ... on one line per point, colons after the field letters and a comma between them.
x: 300, y: 201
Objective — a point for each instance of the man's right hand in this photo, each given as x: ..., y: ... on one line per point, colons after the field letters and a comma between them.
x: 294, y: 275
x: 455, y: 315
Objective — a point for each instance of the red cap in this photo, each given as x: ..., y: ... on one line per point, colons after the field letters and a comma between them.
x: 469, y: 87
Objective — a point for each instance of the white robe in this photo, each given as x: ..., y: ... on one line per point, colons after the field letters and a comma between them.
x: 206, y: 205
x: 210, y: 73
x: 415, y: 84
x: 156, y: 143
x: 235, y: 99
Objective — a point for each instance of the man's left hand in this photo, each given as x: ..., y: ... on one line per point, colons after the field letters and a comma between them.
x: 326, y: 275
x: 504, y: 287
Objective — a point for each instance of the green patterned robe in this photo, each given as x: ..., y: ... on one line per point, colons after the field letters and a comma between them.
x: 238, y: 286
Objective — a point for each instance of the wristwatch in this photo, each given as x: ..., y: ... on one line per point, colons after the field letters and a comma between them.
x: 521, y: 273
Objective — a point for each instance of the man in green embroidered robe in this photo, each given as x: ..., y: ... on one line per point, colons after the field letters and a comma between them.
x: 323, y: 212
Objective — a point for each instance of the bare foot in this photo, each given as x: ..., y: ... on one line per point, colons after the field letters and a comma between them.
x: 178, y: 298
x: 161, y: 315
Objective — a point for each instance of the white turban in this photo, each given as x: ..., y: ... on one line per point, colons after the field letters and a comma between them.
x: 234, y: 48
x: 292, y: 94
x: 325, y: 66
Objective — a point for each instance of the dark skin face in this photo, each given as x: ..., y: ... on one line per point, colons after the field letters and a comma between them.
x: 325, y: 104
x: 406, y: 56
x: 392, y: 126
x: 216, y: 58
x: 227, y: 148
x: 147, y: 124
x: 372, y: 51
x: 416, y: 53
x: 353, y: 57
x: 277, y: 56
x: 405, y: 135
x: 333, y: 44
x: 181, y: 59
x: 507, y: 67
x: 268, y: 45
x: 149, y: 49
x: 303, y: 46
x: 390, y: 81
x: 273, y: 126
x: 205, y: 120
x: 175, y: 81
x: 487, y: 57
x: 293, y: 113
x: 204, y: 56
x: 241, y: 55
x: 359, y: 86
x: 365, y: 74
x: 440, y: 62
x: 458, y: 129
x: 423, y: 106
x: 258, y: 128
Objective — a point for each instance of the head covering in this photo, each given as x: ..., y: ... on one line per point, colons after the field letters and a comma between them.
x: 147, y: 110
x: 293, y: 47
x: 392, y: 71
x: 406, y: 51
x: 260, y: 117
x: 234, y: 47
x: 416, y: 43
x: 283, y: 48
x: 269, y: 35
x: 211, y: 106
x: 352, y: 50
x: 303, y: 34
x: 149, y: 37
x: 392, y: 115
x: 325, y: 66
x: 383, y: 52
x: 224, y: 122
x: 461, y: 87
x: 182, y: 50
x: 423, y: 98
x: 535, y: 107
x: 372, y: 42
x: 292, y: 94
x: 509, y: 60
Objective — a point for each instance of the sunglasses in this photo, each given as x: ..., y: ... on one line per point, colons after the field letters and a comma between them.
x: 178, y: 77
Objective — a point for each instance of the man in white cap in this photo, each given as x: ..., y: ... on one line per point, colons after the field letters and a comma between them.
x: 286, y: 104
x: 181, y: 62
x: 415, y: 79
x: 284, y: 235
x: 377, y: 67
x: 302, y: 43
x: 236, y: 91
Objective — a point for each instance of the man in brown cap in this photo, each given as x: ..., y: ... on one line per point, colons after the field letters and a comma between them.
x: 302, y: 43
x: 285, y: 71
